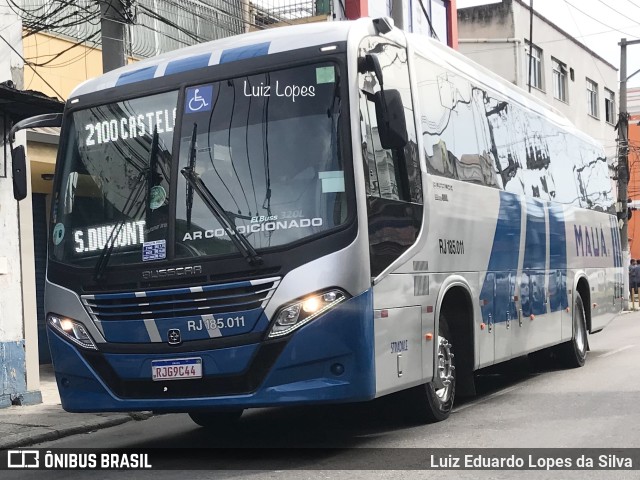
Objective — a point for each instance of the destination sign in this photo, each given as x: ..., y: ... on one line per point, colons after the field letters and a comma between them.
x: 129, y: 127
x: 95, y: 238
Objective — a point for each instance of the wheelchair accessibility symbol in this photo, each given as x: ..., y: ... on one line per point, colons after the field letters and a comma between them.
x: 198, y: 99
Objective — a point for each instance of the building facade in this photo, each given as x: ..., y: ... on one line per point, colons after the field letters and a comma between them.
x: 562, y: 71
x: 633, y: 108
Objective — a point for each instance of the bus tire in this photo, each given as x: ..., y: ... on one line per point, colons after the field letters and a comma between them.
x: 212, y: 420
x: 428, y: 403
x: 573, y: 353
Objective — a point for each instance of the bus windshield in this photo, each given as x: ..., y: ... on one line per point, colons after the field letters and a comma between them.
x: 267, y: 147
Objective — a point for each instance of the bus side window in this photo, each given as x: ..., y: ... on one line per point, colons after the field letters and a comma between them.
x: 392, y: 175
x: 454, y: 126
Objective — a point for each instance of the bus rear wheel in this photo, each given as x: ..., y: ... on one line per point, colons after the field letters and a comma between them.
x: 573, y: 353
x: 220, y: 420
x: 430, y: 402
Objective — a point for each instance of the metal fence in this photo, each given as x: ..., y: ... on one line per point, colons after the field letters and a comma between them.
x: 265, y: 13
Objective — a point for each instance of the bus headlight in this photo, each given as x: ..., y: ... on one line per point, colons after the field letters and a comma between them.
x: 72, y: 330
x: 295, y: 315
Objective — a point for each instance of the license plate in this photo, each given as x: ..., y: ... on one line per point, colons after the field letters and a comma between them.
x: 176, y: 369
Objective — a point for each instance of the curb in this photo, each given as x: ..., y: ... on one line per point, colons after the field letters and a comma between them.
x: 46, y: 434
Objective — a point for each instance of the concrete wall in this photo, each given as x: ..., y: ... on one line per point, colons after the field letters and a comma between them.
x: 486, y: 21
x: 19, y: 379
x: 494, y: 36
x: 12, y: 350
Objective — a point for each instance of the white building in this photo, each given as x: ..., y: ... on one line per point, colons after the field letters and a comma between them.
x: 564, y: 72
x: 19, y: 374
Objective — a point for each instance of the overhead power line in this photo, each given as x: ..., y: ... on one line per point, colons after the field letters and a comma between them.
x: 597, y: 20
x: 618, y: 12
x: 32, y: 68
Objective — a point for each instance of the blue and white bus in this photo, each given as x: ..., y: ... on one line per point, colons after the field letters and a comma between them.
x: 317, y: 214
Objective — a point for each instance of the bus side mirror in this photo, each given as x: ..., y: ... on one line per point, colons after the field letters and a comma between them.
x: 392, y: 124
x: 19, y: 170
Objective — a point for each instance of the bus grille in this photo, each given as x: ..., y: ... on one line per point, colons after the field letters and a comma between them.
x: 181, y: 302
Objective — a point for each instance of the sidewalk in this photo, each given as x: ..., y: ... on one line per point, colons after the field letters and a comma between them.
x: 22, y: 426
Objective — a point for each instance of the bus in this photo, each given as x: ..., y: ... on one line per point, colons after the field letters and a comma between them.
x: 316, y: 214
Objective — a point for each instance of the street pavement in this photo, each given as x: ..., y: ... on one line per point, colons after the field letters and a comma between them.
x: 518, y: 406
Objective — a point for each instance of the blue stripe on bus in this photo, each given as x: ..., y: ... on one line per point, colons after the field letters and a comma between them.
x: 193, y: 327
x: 558, y: 299
x: 557, y: 237
x: 139, y: 75
x: 532, y: 284
x: 535, y: 250
x: 189, y: 63
x: 241, y: 53
x: 503, y: 262
x: 613, y: 242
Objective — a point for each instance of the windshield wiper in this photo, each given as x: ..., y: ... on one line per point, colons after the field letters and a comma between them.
x: 194, y: 183
x: 191, y: 164
x: 132, y: 200
x: 153, y: 167
x: 238, y: 239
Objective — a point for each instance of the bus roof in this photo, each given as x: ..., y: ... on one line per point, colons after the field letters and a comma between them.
x: 239, y: 47
x: 282, y: 39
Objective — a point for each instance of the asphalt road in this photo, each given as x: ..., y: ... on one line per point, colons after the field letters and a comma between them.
x: 519, y: 406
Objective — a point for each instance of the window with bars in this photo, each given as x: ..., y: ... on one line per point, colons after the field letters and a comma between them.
x: 534, y: 66
x: 559, y: 80
x: 609, y: 106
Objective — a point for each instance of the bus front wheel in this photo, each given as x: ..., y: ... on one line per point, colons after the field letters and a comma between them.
x: 221, y: 419
x: 433, y: 402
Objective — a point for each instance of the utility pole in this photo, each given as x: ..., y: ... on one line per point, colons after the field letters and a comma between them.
x: 113, y: 19
x: 623, y: 162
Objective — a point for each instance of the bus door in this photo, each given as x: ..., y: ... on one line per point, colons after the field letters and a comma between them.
x: 394, y: 205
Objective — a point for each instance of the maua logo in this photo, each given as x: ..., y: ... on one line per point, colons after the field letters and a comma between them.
x: 590, y: 241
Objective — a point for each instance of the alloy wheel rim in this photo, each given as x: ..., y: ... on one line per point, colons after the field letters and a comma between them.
x: 580, y: 333
x: 446, y: 369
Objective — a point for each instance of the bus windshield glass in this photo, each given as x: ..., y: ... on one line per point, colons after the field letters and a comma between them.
x: 266, y: 146
x: 115, y: 175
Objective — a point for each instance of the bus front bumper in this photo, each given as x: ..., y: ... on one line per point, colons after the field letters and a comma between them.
x: 329, y: 360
